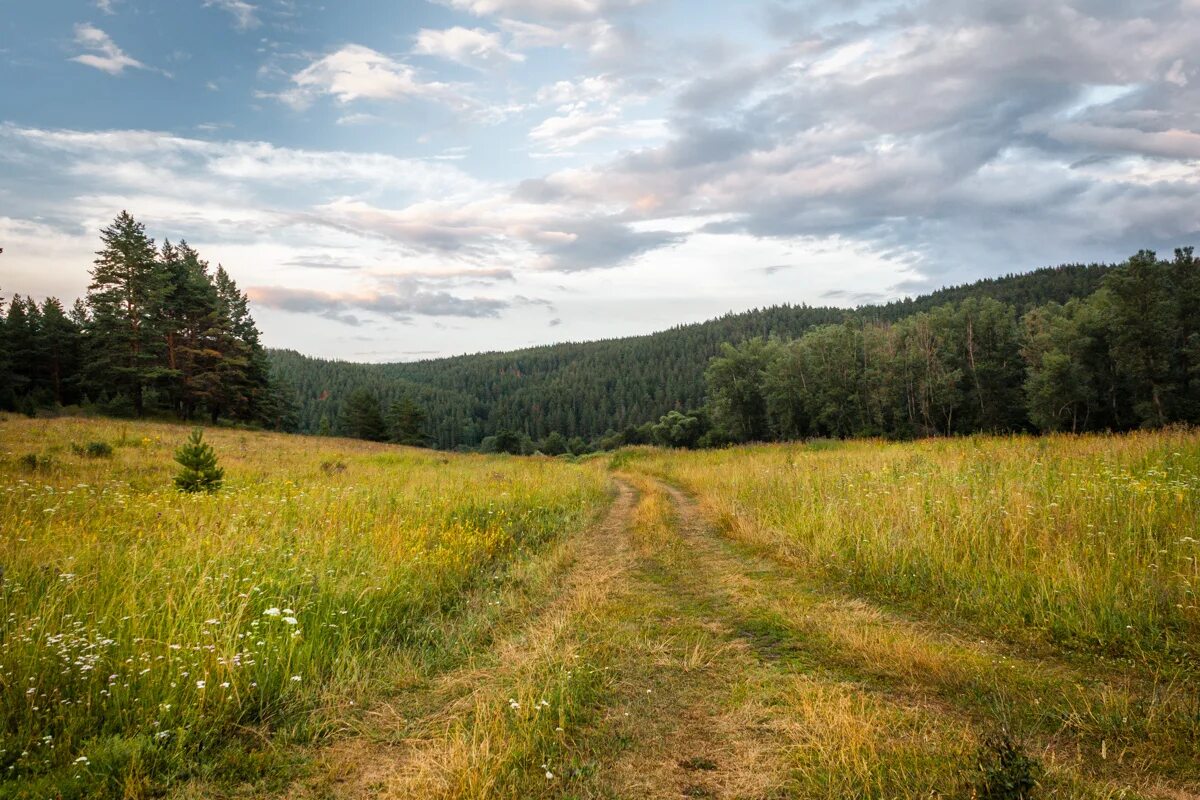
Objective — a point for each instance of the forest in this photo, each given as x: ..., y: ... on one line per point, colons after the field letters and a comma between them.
x: 1070, y: 348
x: 1075, y: 347
x: 158, y: 332
x: 1125, y: 356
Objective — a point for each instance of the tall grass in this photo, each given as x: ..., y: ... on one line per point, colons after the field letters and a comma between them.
x: 1089, y: 543
x: 141, y: 626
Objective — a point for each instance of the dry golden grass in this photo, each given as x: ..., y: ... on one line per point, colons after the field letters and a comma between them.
x: 854, y: 620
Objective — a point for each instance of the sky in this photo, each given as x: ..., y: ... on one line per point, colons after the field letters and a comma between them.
x: 408, y: 179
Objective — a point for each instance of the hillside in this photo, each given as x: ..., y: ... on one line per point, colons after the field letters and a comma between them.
x: 585, y: 389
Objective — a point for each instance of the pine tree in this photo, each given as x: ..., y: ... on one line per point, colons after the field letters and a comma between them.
x: 125, y: 298
x: 190, y: 320
x: 1142, y: 308
x: 8, y: 395
x: 243, y: 387
x: 361, y: 418
x: 406, y: 423
x: 21, y: 334
x: 199, y: 471
x: 59, y: 352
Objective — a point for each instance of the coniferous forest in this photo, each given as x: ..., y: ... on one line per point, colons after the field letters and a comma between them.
x: 158, y: 332
x: 1075, y: 347
x: 1070, y: 348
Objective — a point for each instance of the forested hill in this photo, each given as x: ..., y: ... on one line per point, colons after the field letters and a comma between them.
x: 585, y: 389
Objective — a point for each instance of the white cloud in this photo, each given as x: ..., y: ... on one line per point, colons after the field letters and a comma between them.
x: 105, y: 55
x: 471, y: 46
x: 578, y: 127
x: 600, y: 39
x: 245, y: 15
x: 356, y: 119
x: 542, y: 9
x: 591, y: 109
x: 106, y: 6
x: 594, y: 88
x: 356, y: 72
x: 1177, y: 74
x: 148, y: 160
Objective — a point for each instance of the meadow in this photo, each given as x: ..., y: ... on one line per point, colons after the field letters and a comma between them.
x: 144, y: 627
x: 974, y: 617
x: 1087, y: 543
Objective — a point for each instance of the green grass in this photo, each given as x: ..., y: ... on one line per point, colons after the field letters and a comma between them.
x: 143, y: 628
x: 828, y: 619
x: 1088, y: 543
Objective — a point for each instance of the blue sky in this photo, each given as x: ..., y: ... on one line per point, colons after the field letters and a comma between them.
x: 393, y: 180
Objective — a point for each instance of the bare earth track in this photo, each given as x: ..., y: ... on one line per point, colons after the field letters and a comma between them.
x: 662, y: 659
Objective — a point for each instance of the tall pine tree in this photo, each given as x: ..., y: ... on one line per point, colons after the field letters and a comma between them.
x: 125, y: 299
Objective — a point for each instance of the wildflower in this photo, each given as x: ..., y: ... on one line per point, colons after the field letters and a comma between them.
x: 199, y: 684
x: 81, y: 760
x: 271, y: 612
x: 295, y: 679
x: 290, y: 620
x: 549, y: 775
x: 224, y: 684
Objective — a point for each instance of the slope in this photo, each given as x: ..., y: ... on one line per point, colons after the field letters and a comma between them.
x: 584, y: 389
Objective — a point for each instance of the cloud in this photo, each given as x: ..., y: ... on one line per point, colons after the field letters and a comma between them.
x: 542, y: 9
x: 470, y: 46
x: 324, y: 262
x: 245, y: 15
x: 578, y: 127
x: 105, y: 55
x: 591, y: 109
x: 140, y: 160
x: 106, y: 6
x: 1172, y: 143
x: 501, y: 226
x: 355, y: 72
x: 969, y: 139
x: 618, y: 47
x: 774, y: 268
x: 405, y: 300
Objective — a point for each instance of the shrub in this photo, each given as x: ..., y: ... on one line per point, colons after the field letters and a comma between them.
x: 35, y: 462
x: 199, y: 472
x: 93, y: 449
x: 1006, y: 773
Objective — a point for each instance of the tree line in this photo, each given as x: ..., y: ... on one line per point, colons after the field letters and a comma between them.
x: 158, y: 331
x: 1076, y: 347
x: 1125, y: 356
x: 593, y: 394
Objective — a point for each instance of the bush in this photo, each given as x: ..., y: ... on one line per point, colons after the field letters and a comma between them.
x: 1006, y: 773
x: 199, y: 472
x: 35, y: 462
x: 93, y: 449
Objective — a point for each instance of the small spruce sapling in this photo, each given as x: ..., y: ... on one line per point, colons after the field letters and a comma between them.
x: 199, y: 472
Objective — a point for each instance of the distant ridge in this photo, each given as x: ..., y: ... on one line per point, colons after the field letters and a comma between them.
x: 587, y: 388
